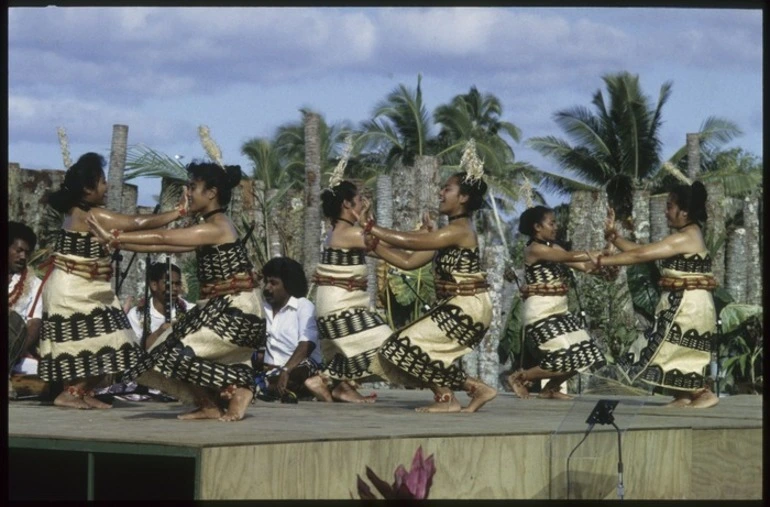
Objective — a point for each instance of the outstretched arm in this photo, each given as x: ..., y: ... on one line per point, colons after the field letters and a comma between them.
x: 404, y: 260
x: 187, y: 238
x: 111, y: 220
x: 663, y: 249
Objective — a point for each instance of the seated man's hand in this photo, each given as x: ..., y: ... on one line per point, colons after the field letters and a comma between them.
x: 283, y: 381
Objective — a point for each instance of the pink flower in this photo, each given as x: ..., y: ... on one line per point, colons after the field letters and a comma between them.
x: 414, y: 484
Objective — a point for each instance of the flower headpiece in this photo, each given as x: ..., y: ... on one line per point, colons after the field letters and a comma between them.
x: 64, y: 144
x: 211, y: 147
x: 471, y: 163
x: 337, y: 175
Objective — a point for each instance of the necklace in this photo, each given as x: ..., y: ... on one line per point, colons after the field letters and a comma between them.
x: 346, y: 221
x: 15, y: 294
x: 212, y: 213
x: 685, y: 225
x: 461, y: 215
x: 83, y: 205
x: 542, y: 242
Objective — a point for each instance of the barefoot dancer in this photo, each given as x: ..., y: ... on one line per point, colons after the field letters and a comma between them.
x: 86, y: 335
x: 427, y: 352
x: 350, y: 333
x: 563, y: 345
x: 678, y: 347
x: 209, y: 349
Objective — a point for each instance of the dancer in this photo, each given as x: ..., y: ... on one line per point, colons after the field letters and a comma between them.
x: 679, y: 342
x: 427, y: 352
x: 563, y: 346
x: 86, y: 334
x: 208, y: 351
x: 350, y: 333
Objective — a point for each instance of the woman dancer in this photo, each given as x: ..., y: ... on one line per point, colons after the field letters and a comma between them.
x: 678, y: 347
x: 350, y: 333
x: 209, y: 349
x: 86, y: 335
x: 563, y: 345
x: 427, y: 352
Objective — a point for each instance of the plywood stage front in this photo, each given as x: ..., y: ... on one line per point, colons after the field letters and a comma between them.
x: 511, y: 449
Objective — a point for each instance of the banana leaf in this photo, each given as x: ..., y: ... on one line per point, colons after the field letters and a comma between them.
x: 418, y: 281
x: 734, y: 315
x: 643, y: 285
x: 509, y: 346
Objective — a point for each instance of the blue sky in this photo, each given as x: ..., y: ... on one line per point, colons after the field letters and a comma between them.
x: 246, y: 71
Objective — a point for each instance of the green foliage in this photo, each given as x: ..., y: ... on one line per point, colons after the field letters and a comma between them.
x: 407, y: 285
x: 144, y: 162
x: 189, y: 268
x: 741, y: 348
x: 510, y: 345
x: 643, y: 285
x: 735, y: 315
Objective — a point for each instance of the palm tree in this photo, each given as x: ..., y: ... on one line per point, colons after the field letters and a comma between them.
x: 399, y: 128
x: 117, y: 166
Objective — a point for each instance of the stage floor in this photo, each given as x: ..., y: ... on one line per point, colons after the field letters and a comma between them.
x: 329, y: 437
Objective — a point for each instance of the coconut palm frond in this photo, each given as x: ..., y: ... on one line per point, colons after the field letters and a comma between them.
x: 144, y: 162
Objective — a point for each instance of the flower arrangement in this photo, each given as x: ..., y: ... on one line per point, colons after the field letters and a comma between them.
x: 414, y: 484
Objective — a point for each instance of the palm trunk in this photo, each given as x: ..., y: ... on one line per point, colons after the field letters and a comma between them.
x: 736, y: 269
x: 384, y: 217
x: 271, y: 228
x: 658, y: 224
x: 405, y: 205
x: 753, y: 257
x: 715, y: 226
x: 117, y: 166
x: 312, y: 230
x: 693, y: 156
x: 427, y: 180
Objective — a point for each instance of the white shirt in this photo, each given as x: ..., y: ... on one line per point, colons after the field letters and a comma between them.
x: 136, y: 318
x: 294, y: 323
x: 28, y: 293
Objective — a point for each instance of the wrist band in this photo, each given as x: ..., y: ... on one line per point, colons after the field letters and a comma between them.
x: 182, y: 211
x: 368, y: 226
x: 375, y: 242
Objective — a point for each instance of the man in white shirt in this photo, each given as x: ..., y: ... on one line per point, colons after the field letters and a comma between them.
x: 157, y: 324
x: 23, y: 287
x: 291, y: 352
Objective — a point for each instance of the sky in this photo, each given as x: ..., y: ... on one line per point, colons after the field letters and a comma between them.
x: 246, y: 71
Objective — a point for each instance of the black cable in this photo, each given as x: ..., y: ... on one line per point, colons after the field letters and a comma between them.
x: 121, y: 277
x: 621, y: 489
x: 590, y: 427
x: 425, y: 306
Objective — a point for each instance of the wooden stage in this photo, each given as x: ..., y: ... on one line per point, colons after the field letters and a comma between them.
x: 511, y: 449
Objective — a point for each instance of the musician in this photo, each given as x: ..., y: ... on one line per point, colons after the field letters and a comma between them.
x: 159, y: 320
x: 23, y: 286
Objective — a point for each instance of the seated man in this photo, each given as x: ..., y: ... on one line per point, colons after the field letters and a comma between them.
x: 23, y: 286
x: 291, y: 352
x: 156, y: 323
x: 149, y: 322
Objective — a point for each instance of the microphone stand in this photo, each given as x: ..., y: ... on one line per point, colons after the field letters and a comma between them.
x: 122, y: 276
x: 583, y: 317
x: 425, y: 306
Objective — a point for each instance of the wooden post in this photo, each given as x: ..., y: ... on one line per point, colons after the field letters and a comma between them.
x: 693, y: 156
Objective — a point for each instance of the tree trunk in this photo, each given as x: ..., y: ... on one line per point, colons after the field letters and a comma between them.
x: 384, y: 217
x: 753, y: 259
x: 271, y: 232
x: 736, y: 265
x: 715, y: 225
x: 130, y: 286
x: 427, y: 179
x: 117, y: 166
x: 312, y: 231
x: 405, y: 203
x: 586, y: 220
x: 658, y: 224
x: 693, y: 156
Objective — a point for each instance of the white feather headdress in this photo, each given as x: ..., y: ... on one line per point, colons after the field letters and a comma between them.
x: 65, y: 149
x: 471, y: 164
x: 211, y: 147
x: 339, y: 171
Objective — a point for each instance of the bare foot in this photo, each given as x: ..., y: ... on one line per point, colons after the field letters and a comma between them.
x: 554, y: 394
x: 239, y: 402
x: 481, y: 394
x: 207, y: 412
x: 441, y: 406
x: 95, y: 403
x: 518, y: 385
x: 703, y: 398
x: 65, y: 399
x: 678, y: 402
x: 318, y: 387
x: 346, y: 392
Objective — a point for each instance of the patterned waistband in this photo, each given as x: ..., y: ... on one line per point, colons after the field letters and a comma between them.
x: 700, y: 282
x: 542, y: 289
x: 346, y: 283
x: 446, y: 288
x: 241, y: 282
x: 88, y: 270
